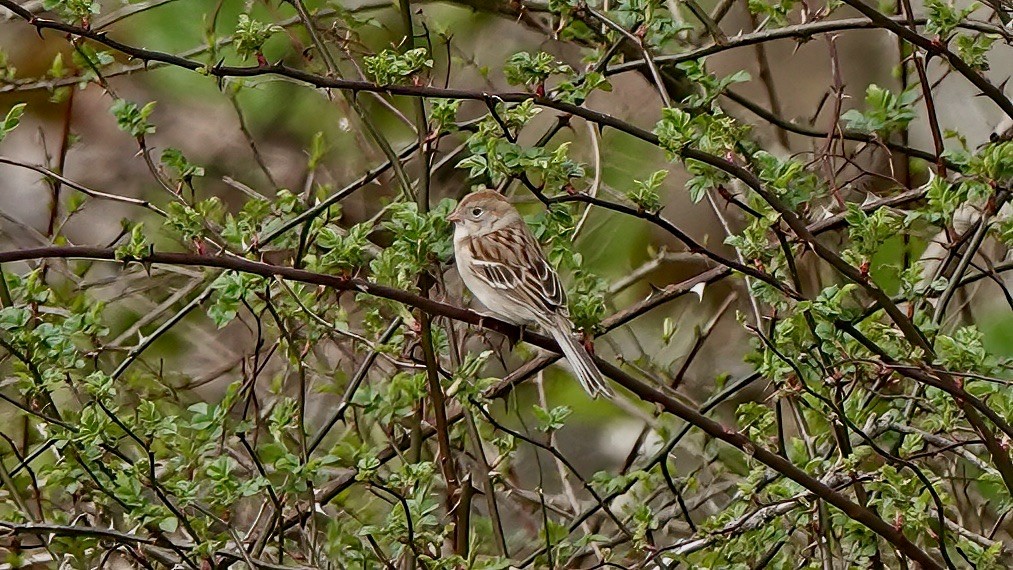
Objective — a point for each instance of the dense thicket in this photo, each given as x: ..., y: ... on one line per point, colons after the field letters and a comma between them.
x: 232, y: 333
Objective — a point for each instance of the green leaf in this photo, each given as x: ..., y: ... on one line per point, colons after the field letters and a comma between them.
x: 965, y: 350
x: 12, y: 120
x: 707, y: 86
x: 231, y: 289
x: 343, y: 252
x: 943, y: 199
x: 576, y: 91
x: 553, y: 419
x: 366, y: 466
x: 993, y: 165
x: 524, y: 68
x: 789, y: 179
x: 674, y: 130
x: 174, y: 159
x: 137, y: 248
x: 755, y: 419
x: 944, y: 17
x: 885, y: 112
x: 711, y: 132
x: 1004, y: 230
x: 444, y: 113
x: 251, y: 35
x: 868, y: 232
x: 191, y: 223
x: 13, y: 318
x: 57, y: 69
x: 393, y: 68
x: 777, y: 11
x: 318, y: 147
x: 587, y: 301
x: 651, y: 19
x: 132, y: 119
x: 609, y: 483
x: 7, y: 71
x: 645, y: 194
x: 974, y: 49
x: 81, y: 10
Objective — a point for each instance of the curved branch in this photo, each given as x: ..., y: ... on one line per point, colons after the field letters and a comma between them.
x: 850, y: 135
x: 83, y: 189
x: 801, y: 32
x: 668, y: 226
x: 266, y: 270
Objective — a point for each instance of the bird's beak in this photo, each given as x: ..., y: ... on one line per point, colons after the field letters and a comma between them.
x: 454, y: 217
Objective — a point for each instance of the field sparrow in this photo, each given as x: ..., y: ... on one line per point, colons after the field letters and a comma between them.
x: 503, y: 266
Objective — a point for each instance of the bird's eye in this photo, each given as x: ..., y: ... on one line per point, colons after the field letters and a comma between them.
x: 476, y: 211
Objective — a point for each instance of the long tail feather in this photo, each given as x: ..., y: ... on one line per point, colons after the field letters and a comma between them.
x: 580, y: 361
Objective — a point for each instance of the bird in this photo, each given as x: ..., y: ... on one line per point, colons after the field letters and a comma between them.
x: 503, y: 266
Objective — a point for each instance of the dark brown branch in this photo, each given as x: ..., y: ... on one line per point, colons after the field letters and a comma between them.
x: 693, y: 245
x: 800, y: 32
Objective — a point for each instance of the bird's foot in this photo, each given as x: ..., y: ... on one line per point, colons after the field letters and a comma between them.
x: 516, y: 336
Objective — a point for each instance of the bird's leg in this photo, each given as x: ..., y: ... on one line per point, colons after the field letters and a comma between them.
x: 516, y: 335
x: 513, y: 336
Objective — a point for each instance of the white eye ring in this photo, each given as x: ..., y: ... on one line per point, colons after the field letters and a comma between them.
x: 476, y: 211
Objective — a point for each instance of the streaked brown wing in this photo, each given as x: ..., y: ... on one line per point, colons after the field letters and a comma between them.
x: 511, y: 260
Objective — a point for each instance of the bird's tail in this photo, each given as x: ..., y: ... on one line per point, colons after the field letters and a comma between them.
x: 580, y: 361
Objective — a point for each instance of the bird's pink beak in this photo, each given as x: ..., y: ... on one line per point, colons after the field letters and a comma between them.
x: 454, y: 217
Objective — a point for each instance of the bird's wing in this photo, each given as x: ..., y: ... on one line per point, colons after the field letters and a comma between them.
x: 510, y: 260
